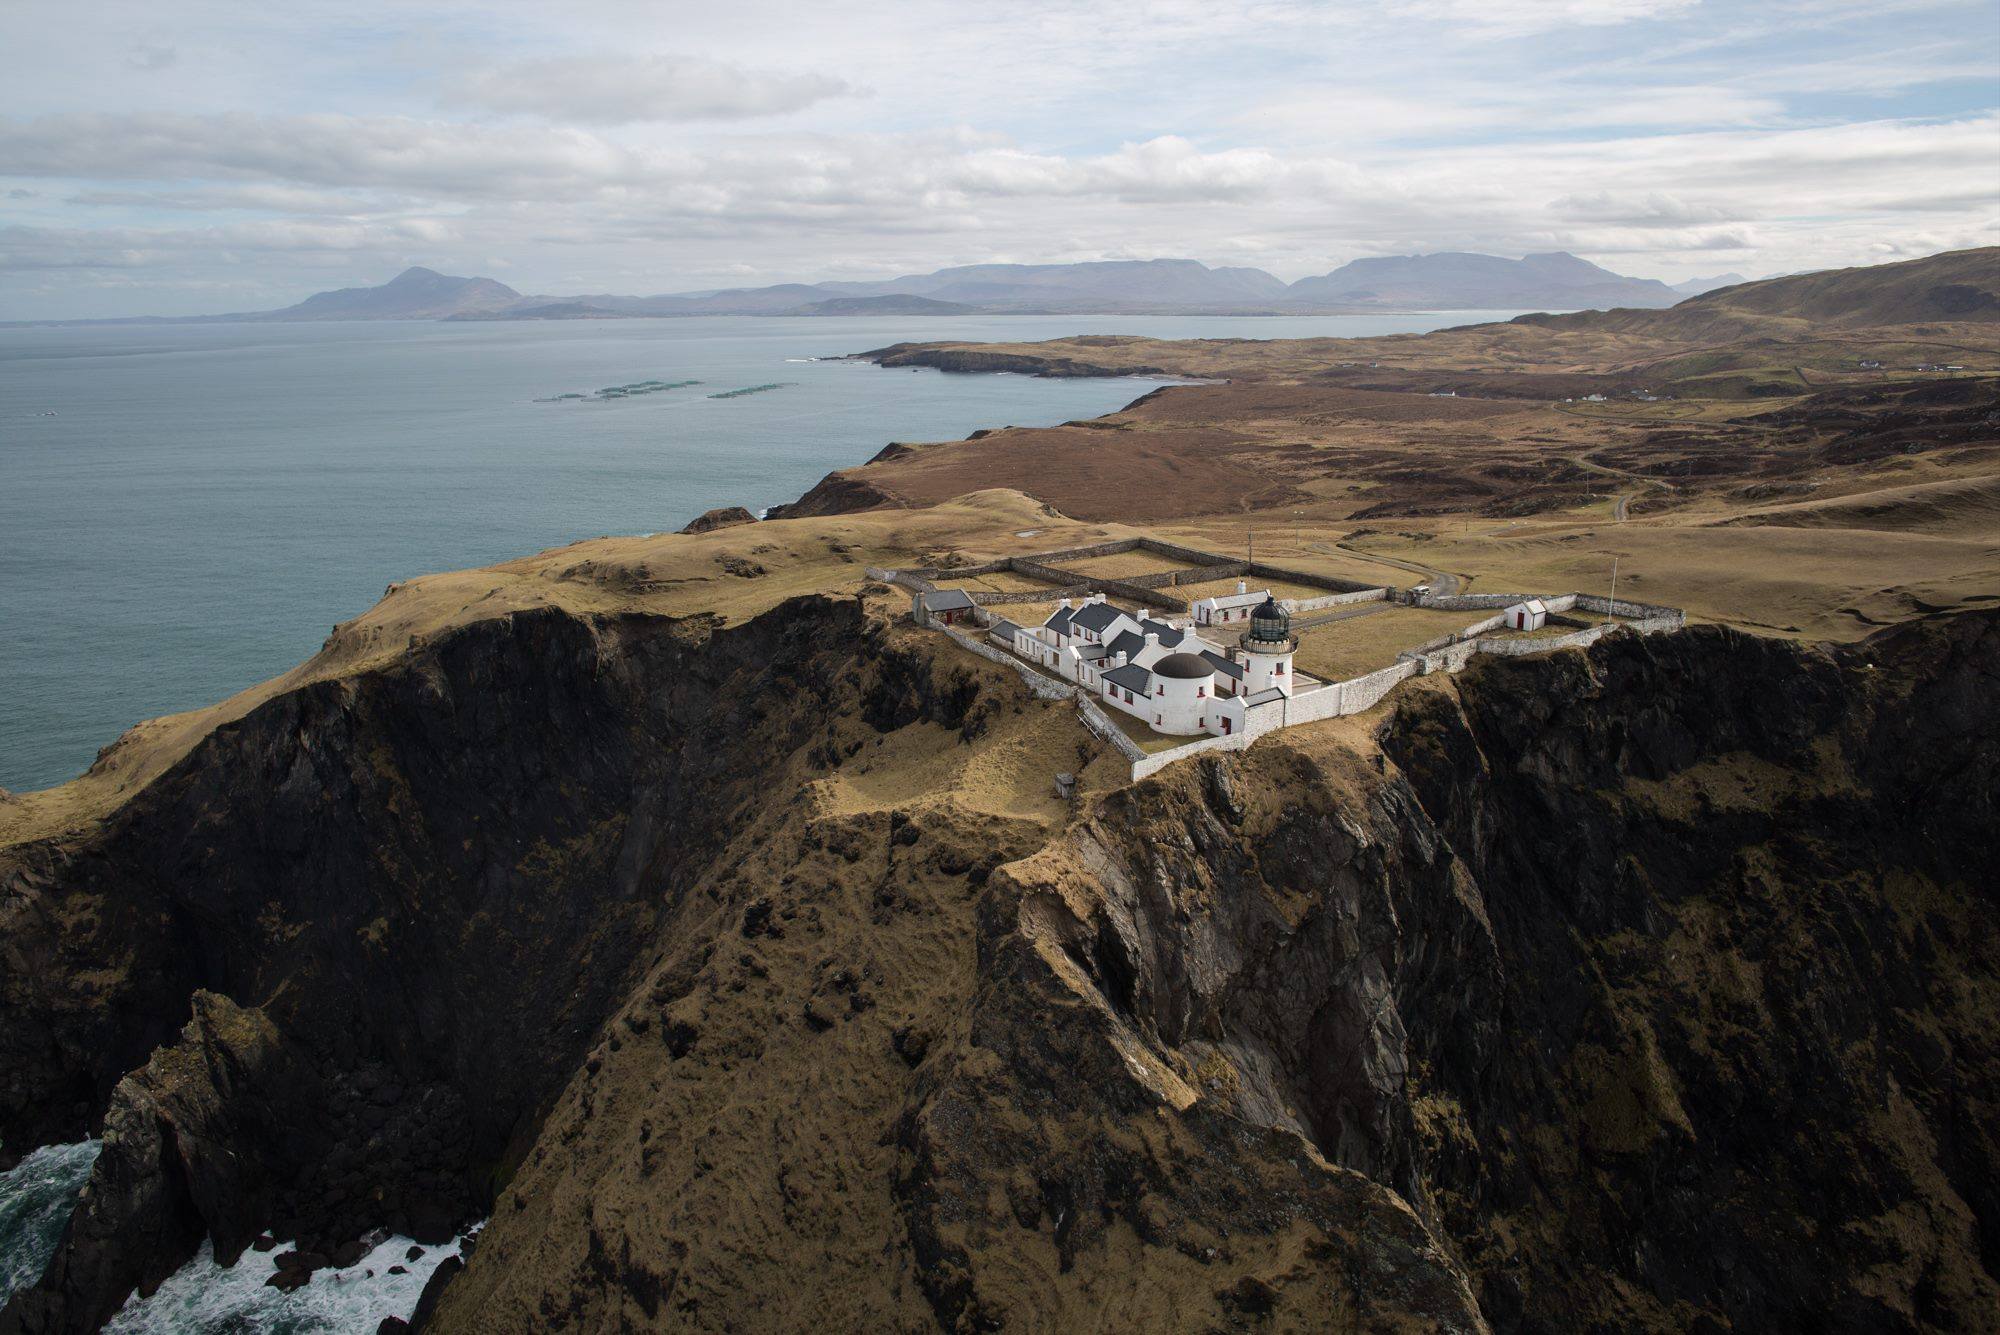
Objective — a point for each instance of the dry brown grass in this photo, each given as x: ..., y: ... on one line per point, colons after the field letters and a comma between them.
x: 1122, y: 565
x: 1362, y: 644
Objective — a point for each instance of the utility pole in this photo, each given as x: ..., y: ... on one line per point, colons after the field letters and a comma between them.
x: 1614, y: 580
x: 1253, y: 546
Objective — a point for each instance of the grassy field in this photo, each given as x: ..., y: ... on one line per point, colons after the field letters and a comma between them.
x: 1278, y: 588
x: 1121, y: 565
x: 999, y: 581
x: 1362, y: 644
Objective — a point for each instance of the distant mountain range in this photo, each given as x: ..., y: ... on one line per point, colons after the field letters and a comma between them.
x: 1555, y: 281
x: 1694, y: 287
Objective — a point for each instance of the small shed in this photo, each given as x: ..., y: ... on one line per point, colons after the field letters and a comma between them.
x: 1527, y: 615
x: 943, y: 607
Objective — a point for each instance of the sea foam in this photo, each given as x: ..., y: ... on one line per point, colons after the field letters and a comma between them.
x: 36, y: 1198
x: 213, y: 1300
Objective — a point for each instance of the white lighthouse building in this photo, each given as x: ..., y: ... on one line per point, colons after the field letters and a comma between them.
x: 1267, y: 649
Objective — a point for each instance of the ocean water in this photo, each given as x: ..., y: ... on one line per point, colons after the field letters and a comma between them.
x: 186, y: 510
x: 36, y: 1198
x: 203, y: 1298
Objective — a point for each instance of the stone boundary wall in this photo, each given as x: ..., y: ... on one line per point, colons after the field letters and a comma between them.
x: 1064, y: 580
x: 1208, y: 566
x: 1194, y: 556
x: 1100, y: 723
x: 1112, y: 548
x: 903, y: 579
x: 1642, y: 617
x: 1158, y: 761
x: 1123, y: 589
x: 1075, y: 591
x: 1365, y: 692
x: 1048, y: 574
x: 1298, y: 605
x: 1208, y: 574
x: 1576, y: 639
x: 957, y: 572
x: 1335, y: 582
x: 1450, y: 657
x: 1040, y: 686
x: 1471, y: 602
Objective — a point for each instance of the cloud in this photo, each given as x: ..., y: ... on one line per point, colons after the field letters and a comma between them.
x: 624, y: 90
x: 332, y: 146
x: 150, y: 56
x: 1531, y: 16
x: 1653, y: 208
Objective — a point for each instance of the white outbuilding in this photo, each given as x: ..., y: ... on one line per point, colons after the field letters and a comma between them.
x: 1528, y: 615
x: 1224, y: 608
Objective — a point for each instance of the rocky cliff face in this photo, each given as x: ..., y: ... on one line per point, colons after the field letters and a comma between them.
x: 1653, y: 978
x: 750, y: 978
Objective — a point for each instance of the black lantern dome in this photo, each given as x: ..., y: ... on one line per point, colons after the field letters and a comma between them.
x: 1270, y: 629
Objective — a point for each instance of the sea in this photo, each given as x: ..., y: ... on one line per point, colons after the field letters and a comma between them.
x: 187, y: 509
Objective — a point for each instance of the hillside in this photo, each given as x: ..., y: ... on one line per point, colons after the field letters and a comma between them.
x: 1957, y: 286
x: 888, y: 304
x: 414, y: 294
x: 1448, y: 281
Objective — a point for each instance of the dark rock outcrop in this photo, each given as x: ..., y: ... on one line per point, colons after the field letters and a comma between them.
x: 727, y: 516
x: 838, y: 493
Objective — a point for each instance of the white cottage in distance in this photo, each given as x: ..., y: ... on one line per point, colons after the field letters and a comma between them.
x: 1168, y: 677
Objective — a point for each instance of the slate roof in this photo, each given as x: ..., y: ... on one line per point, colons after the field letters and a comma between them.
x: 1223, y: 665
x: 1097, y: 616
x: 1128, y: 642
x: 1132, y: 677
x: 1236, y: 599
x: 1264, y: 697
x: 1169, y: 635
x: 946, y: 600
x: 1005, y: 629
x: 1059, y: 622
x: 1092, y: 651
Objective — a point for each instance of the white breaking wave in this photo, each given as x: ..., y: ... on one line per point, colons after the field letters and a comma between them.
x: 36, y: 1198
x: 203, y: 1298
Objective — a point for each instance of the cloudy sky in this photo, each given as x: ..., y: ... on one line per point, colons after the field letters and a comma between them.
x: 182, y: 156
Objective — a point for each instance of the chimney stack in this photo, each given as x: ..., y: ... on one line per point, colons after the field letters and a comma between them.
x: 1242, y: 586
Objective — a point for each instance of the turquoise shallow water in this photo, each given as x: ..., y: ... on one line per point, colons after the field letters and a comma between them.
x: 208, y: 500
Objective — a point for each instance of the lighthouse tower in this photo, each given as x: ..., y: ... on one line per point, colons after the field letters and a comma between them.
x: 1266, y: 649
